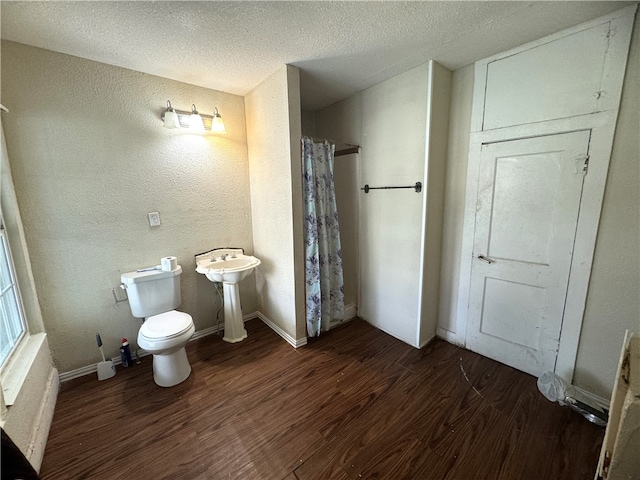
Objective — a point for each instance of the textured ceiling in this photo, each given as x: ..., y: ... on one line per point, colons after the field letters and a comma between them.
x: 341, y: 47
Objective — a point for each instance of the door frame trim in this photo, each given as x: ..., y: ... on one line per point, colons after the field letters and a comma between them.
x: 586, y: 231
x: 615, y: 59
x: 575, y: 140
x: 602, y: 125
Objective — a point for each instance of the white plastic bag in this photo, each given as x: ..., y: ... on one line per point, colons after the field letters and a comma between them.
x: 553, y: 387
x: 556, y: 389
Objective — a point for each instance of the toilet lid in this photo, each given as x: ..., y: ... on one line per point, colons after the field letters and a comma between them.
x: 166, y: 325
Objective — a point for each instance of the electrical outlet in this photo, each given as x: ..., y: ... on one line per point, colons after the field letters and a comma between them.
x: 154, y: 219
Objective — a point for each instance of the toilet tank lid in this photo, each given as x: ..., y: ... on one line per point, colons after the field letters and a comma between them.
x: 148, y: 275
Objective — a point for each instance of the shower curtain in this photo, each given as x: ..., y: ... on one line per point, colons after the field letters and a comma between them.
x: 323, y: 256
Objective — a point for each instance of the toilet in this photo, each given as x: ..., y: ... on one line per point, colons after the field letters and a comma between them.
x: 153, y: 295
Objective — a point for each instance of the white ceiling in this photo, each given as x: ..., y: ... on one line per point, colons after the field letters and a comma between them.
x: 340, y: 47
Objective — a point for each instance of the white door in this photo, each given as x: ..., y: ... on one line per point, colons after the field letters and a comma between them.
x: 526, y: 215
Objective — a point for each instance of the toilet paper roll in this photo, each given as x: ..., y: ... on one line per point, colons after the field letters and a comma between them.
x: 168, y: 264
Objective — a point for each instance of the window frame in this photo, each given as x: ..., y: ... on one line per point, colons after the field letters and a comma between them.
x: 19, y: 306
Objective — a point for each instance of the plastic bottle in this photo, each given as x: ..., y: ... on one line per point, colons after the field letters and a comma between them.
x: 125, y: 353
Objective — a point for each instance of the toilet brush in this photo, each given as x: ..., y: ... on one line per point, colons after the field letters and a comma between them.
x: 106, y: 368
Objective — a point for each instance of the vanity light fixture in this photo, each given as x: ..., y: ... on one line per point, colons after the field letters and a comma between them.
x: 193, y: 120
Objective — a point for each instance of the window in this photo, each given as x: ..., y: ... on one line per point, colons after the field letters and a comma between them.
x: 11, y: 313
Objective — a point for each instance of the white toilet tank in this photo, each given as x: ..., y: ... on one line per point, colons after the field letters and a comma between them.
x: 152, y: 292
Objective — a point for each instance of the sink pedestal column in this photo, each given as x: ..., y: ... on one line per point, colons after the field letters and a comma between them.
x: 233, y: 326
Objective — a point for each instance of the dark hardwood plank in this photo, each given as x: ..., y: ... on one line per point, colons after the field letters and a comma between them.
x: 354, y: 403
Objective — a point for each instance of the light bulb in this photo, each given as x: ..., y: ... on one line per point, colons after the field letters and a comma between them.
x: 195, y: 120
x: 170, y: 117
x: 217, y: 125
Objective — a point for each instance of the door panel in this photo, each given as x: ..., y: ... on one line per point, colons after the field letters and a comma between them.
x: 537, y: 177
x: 517, y: 322
x: 557, y: 79
x: 527, y: 210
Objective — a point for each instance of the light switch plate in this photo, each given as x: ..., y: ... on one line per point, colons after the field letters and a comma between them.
x: 154, y: 219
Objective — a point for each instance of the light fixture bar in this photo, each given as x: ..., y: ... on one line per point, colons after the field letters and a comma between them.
x: 174, y: 118
x: 184, y: 115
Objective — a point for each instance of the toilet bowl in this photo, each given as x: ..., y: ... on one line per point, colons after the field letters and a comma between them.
x: 153, y: 294
x: 165, y: 336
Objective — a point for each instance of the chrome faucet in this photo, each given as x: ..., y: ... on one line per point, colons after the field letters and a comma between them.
x: 224, y: 256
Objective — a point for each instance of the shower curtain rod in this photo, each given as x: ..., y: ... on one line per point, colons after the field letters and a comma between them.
x: 347, y: 150
x: 342, y: 149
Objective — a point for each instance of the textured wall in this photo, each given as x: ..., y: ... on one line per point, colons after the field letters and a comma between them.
x: 90, y: 159
x: 28, y: 418
x: 275, y: 185
x: 613, y: 302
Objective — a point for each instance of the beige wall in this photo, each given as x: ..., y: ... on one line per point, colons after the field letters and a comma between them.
x: 388, y: 121
x: 613, y: 303
x: 394, y: 115
x: 296, y: 200
x: 613, y: 299
x: 90, y: 159
x: 455, y: 185
x: 433, y: 202
x: 383, y: 232
x: 274, y: 131
x: 29, y: 382
x: 308, y: 123
x: 342, y: 123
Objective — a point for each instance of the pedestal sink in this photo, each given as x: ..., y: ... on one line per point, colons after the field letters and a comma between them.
x: 228, y: 266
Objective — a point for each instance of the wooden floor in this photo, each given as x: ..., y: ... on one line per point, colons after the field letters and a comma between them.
x: 353, y: 404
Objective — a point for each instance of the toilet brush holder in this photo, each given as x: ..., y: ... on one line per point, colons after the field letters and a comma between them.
x: 106, y: 368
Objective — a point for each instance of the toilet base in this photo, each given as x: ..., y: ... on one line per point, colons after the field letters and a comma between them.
x: 171, y: 369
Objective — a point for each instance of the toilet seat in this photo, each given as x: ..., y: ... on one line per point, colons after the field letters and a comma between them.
x: 165, y: 326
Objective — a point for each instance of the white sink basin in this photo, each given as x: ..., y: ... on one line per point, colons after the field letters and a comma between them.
x: 230, y: 270
x: 235, y: 266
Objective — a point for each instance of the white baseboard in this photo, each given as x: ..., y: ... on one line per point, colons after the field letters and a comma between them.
x: 424, y: 342
x: 89, y: 369
x: 40, y: 433
x: 292, y: 341
x: 448, y: 336
x: 208, y: 331
x: 350, y: 312
x: 251, y: 316
x: 78, y: 372
x: 593, y: 398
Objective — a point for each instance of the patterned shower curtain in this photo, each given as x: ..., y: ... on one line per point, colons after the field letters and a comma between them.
x: 323, y: 255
